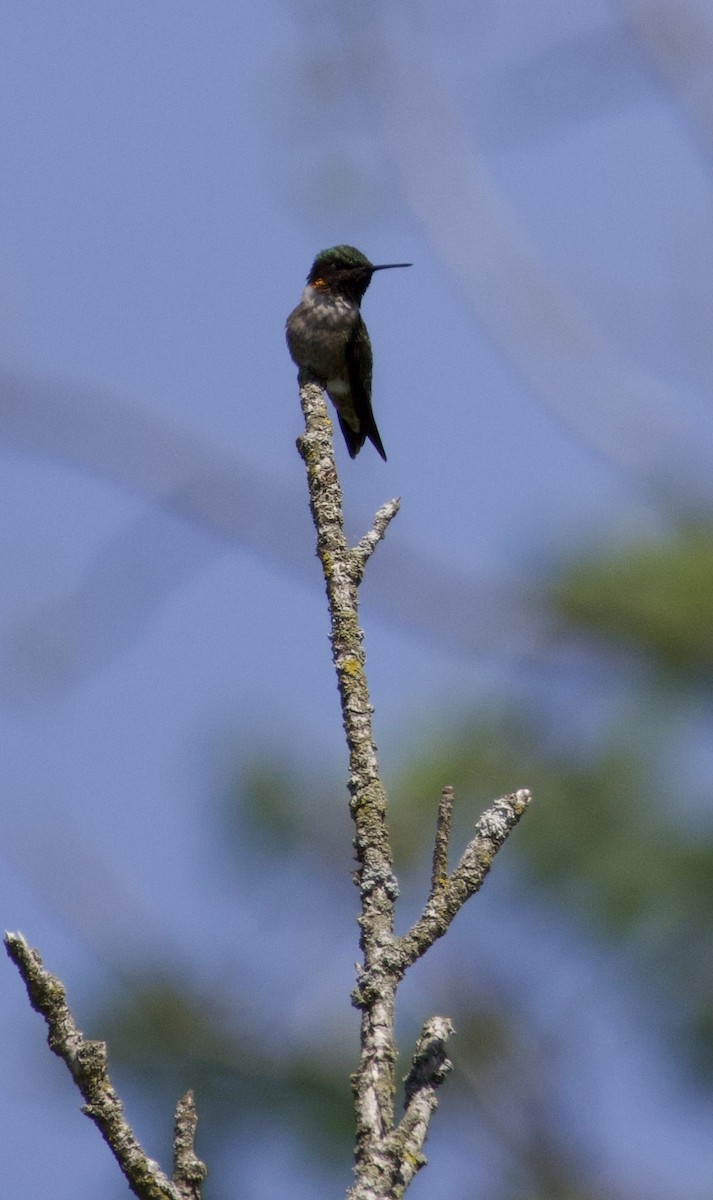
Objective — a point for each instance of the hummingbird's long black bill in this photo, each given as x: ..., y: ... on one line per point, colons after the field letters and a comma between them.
x: 390, y: 266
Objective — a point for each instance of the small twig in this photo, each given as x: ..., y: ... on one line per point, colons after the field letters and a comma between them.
x: 87, y: 1063
x: 188, y: 1170
x: 496, y: 823
x: 439, y: 870
x: 362, y: 552
x: 429, y: 1068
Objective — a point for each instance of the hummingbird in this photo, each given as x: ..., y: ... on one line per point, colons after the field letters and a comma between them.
x: 326, y: 336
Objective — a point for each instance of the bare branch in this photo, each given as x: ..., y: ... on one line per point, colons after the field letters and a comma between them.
x: 374, y: 1080
x: 364, y: 549
x: 87, y: 1063
x: 429, y: 1068
x: 439, y: 870
x: 188, y: 1170
x: 496, y: 823
x: 386, y: 1157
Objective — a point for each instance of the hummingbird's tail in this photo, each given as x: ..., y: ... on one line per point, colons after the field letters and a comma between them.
x: 355, y: 438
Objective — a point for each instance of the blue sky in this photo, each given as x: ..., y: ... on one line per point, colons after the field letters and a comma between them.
x: 170, y: 170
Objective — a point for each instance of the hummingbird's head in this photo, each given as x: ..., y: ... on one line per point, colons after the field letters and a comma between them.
x: 345, y: 270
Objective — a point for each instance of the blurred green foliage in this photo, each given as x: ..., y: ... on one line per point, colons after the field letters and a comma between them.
x: 651, y: 597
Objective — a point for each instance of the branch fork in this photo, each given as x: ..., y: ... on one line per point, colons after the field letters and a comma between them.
x: 87, y: 1063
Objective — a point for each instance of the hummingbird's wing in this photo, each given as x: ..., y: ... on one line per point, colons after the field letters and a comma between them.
x: 359, y: 364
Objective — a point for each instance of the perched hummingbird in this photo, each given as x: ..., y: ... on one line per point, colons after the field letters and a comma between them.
x: 327, y: 336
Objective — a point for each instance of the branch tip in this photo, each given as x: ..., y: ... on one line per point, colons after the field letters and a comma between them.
x: 362, y: 552
x: 430, y: 1065
x: 188, y: 1170
x: 439, y: 870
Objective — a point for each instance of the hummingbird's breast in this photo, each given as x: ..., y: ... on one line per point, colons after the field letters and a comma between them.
x: 318, y: 331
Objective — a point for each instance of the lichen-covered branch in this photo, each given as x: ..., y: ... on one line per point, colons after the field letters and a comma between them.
x: 87, y: 1062
x: 429, y: 1067
x: 373, y: 1082
x: 387, y: 1156
x: 362, y: 552
x: 188, y: 1170
x: 468, y: 877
